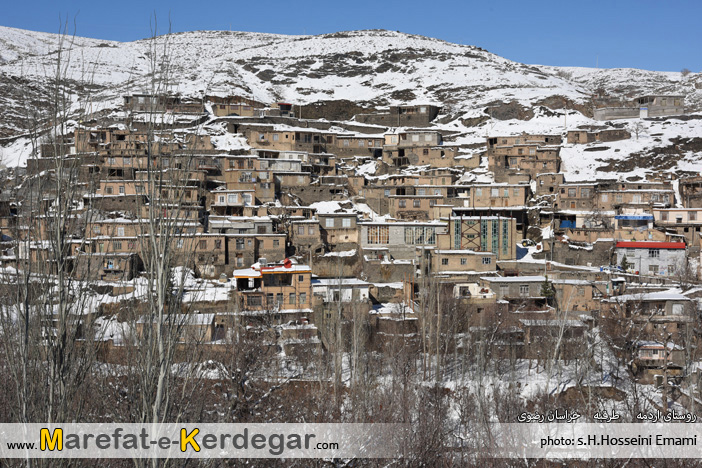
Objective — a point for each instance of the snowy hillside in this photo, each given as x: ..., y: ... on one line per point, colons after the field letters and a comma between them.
x: 371, y: 68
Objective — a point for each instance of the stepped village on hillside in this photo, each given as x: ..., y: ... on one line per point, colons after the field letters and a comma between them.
x: 316, y: 226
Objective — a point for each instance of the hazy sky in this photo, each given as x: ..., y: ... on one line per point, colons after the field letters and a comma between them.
x: 650, y: 34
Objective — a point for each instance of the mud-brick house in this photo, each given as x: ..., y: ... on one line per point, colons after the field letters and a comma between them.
x: 413, y: 207
x: 338, y: 230
x: 686, y: 222
x: 460, y: 263
x: 582, y: 136
x: 234, y: 105
x: 656, y: 315
x: 419, y: 115
x: 305, y: 236
x: 275, y: 292
x: 653, y: 361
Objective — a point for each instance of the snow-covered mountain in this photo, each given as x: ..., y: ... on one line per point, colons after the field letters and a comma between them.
x: 371, y: 68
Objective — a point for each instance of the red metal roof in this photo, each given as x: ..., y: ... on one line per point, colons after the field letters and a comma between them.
x: 651, y: 245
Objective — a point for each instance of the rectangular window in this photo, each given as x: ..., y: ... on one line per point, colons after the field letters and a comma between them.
x: 120, y: 231
x: 301, y: 230
x: 303, y: 298
x: 116, y: 245
x: 203, y: 245
x: 378, y: 235
x: 218, y: 244
x: 605, y: 197
x: 292, y: 299
x: 329, y: 223
x: 417, y: 203
x: 464, y: 261
x: 108, y: 190
x: 310, y: 230
x: 692, y: 216
x: 571, y: 192
x: 523, y: 289
x: 346, y: 222
x: 421, y: 192
x: 487, y: 260
x: 664, y: 216
x: 276, y: 242
x: 479, y: 192
x: 402, y: 204
x: 444, y: 261
x: 654, y: 253
x: 494, y: 193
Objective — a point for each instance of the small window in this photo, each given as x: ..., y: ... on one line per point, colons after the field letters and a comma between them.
x: 303, y: 298
x: 417, y: 203
x: 203, y: 244
x: 464, y: 261
x: 402, y: 204
x: 444, y: 261
x: 121, y: 189
x: 292, y: 299
x: 487, y: 260
x: 654, y: 253
x: 329, y: 223
x: 300, y: 278
x: 276, y: 242
x: 346, y: 222
x: 120, y: 232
